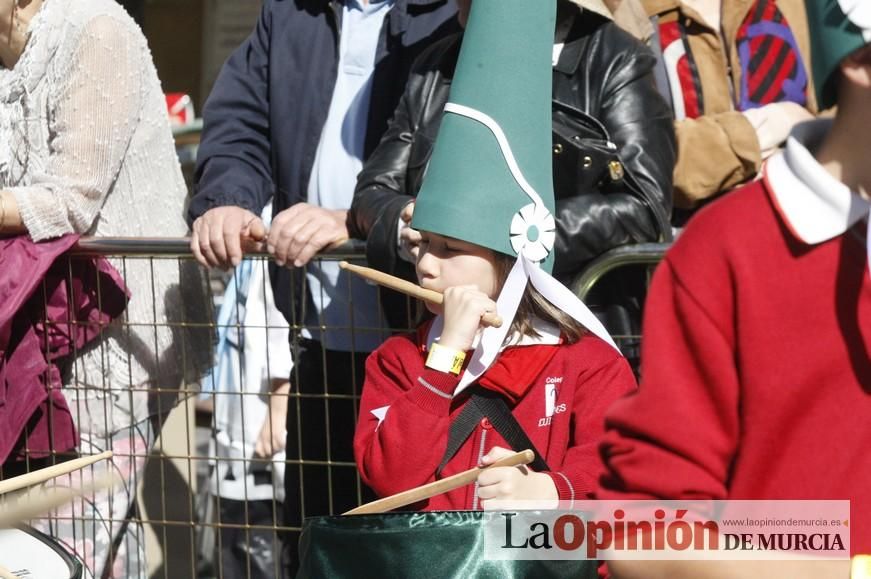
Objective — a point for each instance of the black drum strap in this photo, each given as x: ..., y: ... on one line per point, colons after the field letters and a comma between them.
x: 461, y: 428
x: 490, y: 405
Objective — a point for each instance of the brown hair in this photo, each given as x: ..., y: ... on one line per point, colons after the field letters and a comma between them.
x: 862, y: 55
x: 534, y: 304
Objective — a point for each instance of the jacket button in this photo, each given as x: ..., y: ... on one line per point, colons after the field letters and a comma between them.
x: 485, y: 424
x: 558, y: 149
x: 616, y: 170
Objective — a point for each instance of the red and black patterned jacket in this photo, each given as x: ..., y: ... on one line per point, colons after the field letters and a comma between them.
x: 761, y: 55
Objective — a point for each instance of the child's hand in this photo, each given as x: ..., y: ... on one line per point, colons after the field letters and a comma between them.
x: 273, y: 435
x: 409, y: 239
x: 463, y: 306
x: 512, y: 483
x: 773, y: 123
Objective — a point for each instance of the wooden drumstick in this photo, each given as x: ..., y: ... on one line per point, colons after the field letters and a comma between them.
x: 42, y: 500
x: 438, y: 487
x: 50, y: 472
x: 410, y: 289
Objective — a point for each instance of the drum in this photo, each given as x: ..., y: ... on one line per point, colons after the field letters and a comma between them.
x: 26, y: 552
x: 425, y: 545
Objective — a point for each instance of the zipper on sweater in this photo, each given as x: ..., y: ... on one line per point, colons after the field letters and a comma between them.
x: 480, y: 456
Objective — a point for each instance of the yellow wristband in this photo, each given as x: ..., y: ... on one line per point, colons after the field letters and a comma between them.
x: 861, y: 567
x: 445, y: 359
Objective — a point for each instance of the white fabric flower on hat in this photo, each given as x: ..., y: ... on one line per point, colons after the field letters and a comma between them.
x: 859, y: 13
x: 533, y: 232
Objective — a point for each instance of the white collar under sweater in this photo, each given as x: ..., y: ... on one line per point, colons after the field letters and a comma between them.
x: 815, y: 206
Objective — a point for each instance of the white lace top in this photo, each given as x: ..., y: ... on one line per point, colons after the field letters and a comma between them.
x: 86, y: 147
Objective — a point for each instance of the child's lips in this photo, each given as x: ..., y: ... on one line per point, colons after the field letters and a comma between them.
x: 429, y: 286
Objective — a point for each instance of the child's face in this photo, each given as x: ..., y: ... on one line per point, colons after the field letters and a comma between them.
x: 444, y: 262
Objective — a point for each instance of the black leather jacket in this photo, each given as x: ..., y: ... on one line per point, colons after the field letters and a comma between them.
x: 602, y: 71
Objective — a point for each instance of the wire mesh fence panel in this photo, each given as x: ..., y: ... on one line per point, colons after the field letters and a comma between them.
x: 284, y: 397
x: 102, y: 351
x: 230, y: 408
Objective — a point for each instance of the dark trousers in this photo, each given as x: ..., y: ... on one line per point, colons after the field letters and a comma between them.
x: 248, y: 553
x: 321, y: 417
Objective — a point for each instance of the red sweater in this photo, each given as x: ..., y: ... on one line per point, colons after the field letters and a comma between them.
x: 405, y: 450
x: 756, y: 375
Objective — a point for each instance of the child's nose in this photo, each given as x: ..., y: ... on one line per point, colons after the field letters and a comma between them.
x: 427, y: 265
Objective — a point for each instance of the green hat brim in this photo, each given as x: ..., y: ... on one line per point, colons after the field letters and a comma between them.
x: 833, y: 38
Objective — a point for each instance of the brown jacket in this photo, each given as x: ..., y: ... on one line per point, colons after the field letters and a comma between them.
x: 631, y: 16
x: 719, y: 150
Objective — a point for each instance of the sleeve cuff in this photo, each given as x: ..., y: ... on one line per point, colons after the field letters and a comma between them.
x: 566, y: 490
x: 434, y: 391
x: 207, y: 201
x: 745, y: 144
x: 43, y: 217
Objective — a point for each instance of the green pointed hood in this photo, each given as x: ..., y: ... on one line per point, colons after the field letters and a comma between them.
x: 837, y: 28
x: 489, y: 181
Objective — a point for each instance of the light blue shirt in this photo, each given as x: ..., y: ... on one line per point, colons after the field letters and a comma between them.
x: 339, y: 297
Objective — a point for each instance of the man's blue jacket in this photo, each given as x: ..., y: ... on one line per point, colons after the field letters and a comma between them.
x: 264, y: 117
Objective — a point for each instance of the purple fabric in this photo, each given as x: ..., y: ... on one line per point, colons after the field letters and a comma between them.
x: 50, y: 307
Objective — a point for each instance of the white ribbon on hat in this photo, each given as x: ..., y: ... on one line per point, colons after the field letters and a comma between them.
x: 859, y: 13
x: 536, y: 218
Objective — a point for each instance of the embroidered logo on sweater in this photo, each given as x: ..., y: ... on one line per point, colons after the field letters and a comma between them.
x: 551, y: 393
x: 772, y: 69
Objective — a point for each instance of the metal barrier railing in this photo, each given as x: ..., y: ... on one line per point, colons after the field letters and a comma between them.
x: 648, y: 254
x: 176, y: 503
x: 180, y: 247
x: 175, y: 462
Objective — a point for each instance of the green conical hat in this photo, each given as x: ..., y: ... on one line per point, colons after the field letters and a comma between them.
x: 837, y: 28
x: 490, y: 180
x: 492, y: 157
